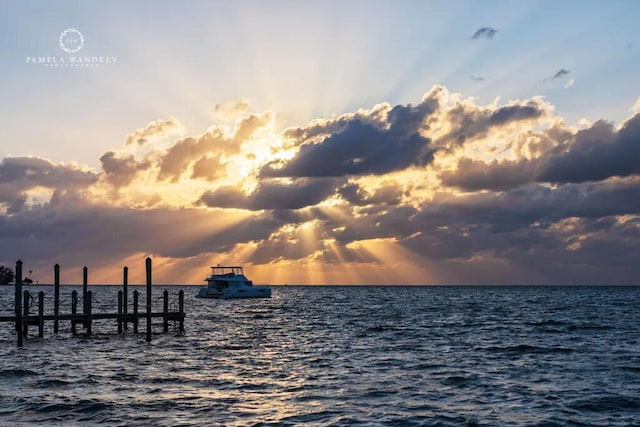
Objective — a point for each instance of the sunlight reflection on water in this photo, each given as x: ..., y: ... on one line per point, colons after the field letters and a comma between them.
x: 339, y: 355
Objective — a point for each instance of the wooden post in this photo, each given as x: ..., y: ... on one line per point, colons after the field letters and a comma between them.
x: 85, y: 281
x: 56, y: 295
x: 135, y: 311
x: 119, y: 312
x: 88, y: 313
x: 18, y: 301
x: 74, y: 310
x: 165, y: 310
x: 25, y: 313
x: 181, y: 309
x: 125, y: 290
x: 41, y: 314
x: 148, y: 265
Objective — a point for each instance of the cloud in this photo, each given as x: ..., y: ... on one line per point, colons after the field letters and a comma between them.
x: 92, y: 233
x: 185, y: 151
x: 365, y: 147
x: 484, y: 33
x: 251, y: 124
x: 120, y: 169
x: 209, y: 167
x: 454, y: 191
x: 388, y: 194
x: 361, y: 149
x: 271, y: 194
x: 18, y: 175
x: 636, y: 106
x: 593, y: 154
x: 569, y: 83
x: 467, y: 121
x: 558, y: 75
x: 476, y: 175
x: 561, y: 73
x: 477, y: 78
x: 230, y: 109
x: 597, y: 153
x: 210, y: 149
x: 156, y: 128
x: 33, y: 171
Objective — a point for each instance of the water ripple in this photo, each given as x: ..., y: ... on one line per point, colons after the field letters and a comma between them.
x: 336, y: 356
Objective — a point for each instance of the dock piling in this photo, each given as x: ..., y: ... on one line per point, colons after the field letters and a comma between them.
x: 181, y: 309
x: 119, y: 311
x: 18, y: 302
x: 56, y: 295
x: 41, y: 314
x: 125, y: 290
x: 135, y: 312
x: 74, y: 310
x: 148, y: 265
x: 85, y: 277
x: 25, y: 313
x: 88, y: 320
x: 165, y: 309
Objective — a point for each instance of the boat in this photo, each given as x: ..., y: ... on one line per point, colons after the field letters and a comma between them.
x: 230, y: 282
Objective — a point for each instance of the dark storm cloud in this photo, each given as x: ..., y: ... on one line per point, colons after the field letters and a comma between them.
x: 484, y: 33
x: 120, y: 170
x: 20, y: 174
x: 569, y: 201
x: 469, y: 121
x: 389, y: 194
x: 509, y: 224
x: 33, y: 171
x: 322, y: 128
x: 550, y: 233
x: 93, y: 233
x: 475, y: 175
x: 597, y: 153
x: 363, y: 148
x: 593, y: 154
x: 273, y: 195
x: 406, y: 120
x: 560, y: 74
x: 514, y: 113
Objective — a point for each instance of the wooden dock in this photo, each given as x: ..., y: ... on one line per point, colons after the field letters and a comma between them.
x: 23, y: 318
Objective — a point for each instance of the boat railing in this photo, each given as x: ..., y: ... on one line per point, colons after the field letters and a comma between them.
x: 228, y: 271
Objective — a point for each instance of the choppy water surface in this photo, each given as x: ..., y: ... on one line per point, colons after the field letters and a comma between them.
x: 341, y: 355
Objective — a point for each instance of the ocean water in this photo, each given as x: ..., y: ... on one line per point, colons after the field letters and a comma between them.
x: 379, y: 356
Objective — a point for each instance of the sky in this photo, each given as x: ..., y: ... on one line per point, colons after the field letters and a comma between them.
x: 330, y: 142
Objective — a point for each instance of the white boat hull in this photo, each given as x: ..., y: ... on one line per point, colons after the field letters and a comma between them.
x: 246, y: 292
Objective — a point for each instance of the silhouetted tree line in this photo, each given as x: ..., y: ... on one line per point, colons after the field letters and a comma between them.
x: 6, y: 275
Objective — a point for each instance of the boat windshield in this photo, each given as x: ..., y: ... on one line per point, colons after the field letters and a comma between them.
x: 227, y: 271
